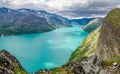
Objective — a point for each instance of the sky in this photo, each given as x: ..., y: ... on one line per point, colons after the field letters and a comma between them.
x: 67, y: 8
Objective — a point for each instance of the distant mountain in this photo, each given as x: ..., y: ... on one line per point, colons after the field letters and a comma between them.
x: 25, y: 21
x: 82, y: 21
x: 94, y: 24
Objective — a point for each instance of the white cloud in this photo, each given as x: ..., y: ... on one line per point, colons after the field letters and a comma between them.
x: 62, y: 4
x: 69, y: 8
x: 118, y: 6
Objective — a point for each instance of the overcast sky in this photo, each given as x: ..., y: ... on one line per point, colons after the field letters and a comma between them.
x: 66, y: 8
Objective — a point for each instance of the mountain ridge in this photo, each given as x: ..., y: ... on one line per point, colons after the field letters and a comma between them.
x: 19, y: 21
x: 94, y: 24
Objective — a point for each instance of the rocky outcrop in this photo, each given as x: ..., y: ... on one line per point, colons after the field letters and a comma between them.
x: 9, y: 64
x: 108, y: 47
x: 104, y: 44
x: 87, y: 65
x: 94, y: 24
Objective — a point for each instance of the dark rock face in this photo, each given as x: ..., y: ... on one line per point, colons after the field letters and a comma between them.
x: 87, y: 65
x: 9, y: 64
x: 108, y: 47
x: 25, y: 21
x: 91, y: 65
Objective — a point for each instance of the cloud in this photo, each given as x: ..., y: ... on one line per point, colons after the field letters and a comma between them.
x: 118, y: 6
x: 92, y: 8
x: 33, y: 4
x: 67, y: 8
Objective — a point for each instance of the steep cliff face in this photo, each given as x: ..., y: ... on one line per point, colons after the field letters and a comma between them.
x: 99, y: 53
x: 108, y: 47
x: 9, y: 64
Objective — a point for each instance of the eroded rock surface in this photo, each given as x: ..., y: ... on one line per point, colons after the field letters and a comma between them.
x: 9, y: 64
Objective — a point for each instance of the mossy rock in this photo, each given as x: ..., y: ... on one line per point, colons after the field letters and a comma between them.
x: 113, y: 17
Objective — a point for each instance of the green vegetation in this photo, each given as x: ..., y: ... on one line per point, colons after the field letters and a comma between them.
x: 87, y: 47
x: 111, y: 61
x: 9, y: 64
x: 18, y: 70
x: 112, y: 18
x: 58, y: 71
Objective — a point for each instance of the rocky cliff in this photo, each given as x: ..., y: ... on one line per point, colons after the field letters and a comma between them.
x: 9, y: 64
x: 108, y: 47
x: 99, y: 53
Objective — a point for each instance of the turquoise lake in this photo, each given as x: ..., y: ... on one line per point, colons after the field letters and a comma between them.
x: 44, y: 50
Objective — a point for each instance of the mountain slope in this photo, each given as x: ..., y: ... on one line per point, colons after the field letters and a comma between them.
x: 92, y: 25
x: 9, y: 64
x: 24, y: 21
x: 108, y: 47
x: 87, y: 47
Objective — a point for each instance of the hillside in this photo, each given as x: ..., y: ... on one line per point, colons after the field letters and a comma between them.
x: 94, y: 24
x: 108, y: 47
x: 25, y: 21
x: 101, y: 46
x: 9, y: 64
x: 87, y: 47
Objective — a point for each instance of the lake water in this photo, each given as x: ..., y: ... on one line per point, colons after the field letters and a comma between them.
x: 44, y: 50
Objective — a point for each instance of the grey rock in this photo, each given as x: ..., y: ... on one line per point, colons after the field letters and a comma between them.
x: 88, y: 65
x: 9, y: 64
